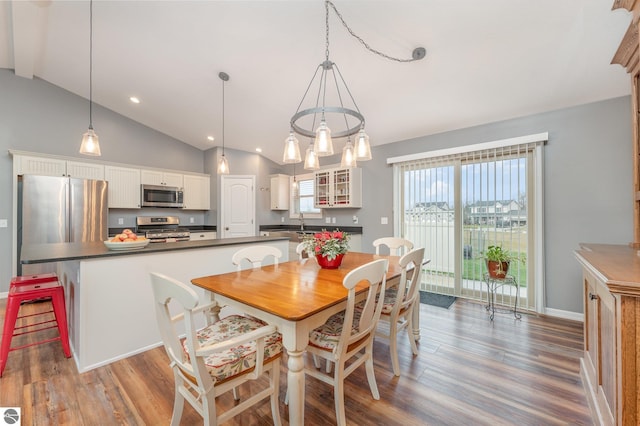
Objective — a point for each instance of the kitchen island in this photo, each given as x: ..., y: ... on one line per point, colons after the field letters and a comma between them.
x: 110, y: 308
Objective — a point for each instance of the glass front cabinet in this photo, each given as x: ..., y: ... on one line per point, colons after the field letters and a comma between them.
x: 338, y: 188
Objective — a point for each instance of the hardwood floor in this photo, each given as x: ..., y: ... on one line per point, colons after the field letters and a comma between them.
x: 469, y: 371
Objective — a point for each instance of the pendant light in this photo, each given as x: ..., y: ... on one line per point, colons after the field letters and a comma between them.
x: 348, y: 156
x: 362, y: 148
x: 223, y: 164
x: 322, y: 144
x: 90, y: 144
x: 291, y: 149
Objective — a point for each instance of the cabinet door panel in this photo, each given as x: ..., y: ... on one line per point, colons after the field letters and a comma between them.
x: 124, y: 187
x: 42, y: 166
x: 85, y: 170
x: 607, y: 344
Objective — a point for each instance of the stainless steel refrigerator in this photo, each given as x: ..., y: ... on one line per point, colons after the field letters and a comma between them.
x: 60, y: 209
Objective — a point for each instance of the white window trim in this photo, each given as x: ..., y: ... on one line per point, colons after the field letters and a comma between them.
x: 520, y: 140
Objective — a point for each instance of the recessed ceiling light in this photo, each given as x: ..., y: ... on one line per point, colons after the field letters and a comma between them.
x: 134, y: 100
x: 211, y: 138
x: 258, y: 149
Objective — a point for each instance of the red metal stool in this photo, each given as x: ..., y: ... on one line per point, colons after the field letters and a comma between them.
x: 30, y: 288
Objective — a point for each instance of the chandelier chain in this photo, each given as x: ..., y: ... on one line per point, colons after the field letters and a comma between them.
x: 326, y: 24
x: 364, y: 43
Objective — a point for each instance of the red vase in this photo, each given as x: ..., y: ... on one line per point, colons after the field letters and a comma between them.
x: 329, y: 264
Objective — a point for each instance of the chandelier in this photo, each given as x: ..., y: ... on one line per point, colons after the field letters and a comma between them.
x: 346, y: 121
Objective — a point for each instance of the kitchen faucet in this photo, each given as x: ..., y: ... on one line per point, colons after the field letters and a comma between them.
x: 301, y: 217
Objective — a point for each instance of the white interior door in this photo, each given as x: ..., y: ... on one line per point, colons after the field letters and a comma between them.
x: 238, y: 206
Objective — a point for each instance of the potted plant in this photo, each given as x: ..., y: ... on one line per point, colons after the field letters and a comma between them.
x: 328, y: 247
x: 498, y: 260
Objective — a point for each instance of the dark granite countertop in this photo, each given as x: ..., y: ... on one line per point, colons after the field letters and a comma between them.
x: 57, y: 252
x: 312, y: 228
x: 192, y: 228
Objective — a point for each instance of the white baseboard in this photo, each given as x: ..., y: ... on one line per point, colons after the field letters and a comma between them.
x: 575, y: 316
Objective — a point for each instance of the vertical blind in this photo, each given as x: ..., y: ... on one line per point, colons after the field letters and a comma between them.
x: 456, y: 205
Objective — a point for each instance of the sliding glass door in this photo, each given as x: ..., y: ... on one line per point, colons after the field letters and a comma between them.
x: 456, y: 206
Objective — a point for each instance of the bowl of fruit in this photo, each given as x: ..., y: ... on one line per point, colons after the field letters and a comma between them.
x: 126, y: 240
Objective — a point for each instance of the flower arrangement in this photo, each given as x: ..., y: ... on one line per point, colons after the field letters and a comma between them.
x: 327, y: 244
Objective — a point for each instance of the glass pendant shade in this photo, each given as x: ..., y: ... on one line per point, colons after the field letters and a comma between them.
x: 323, y: 144
x: 291, y: 150
x: 311, y: 160
x: 348, y: 156
x: 363, y: 149
x: 223, y: 165
x: 90, y: 143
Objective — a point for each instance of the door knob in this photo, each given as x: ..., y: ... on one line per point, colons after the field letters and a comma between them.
x: 226, y: 229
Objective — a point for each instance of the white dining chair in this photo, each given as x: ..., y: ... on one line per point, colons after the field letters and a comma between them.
x: 348, y: 335
x: 397, y: 246
x: 217, y: 358
x: 255, y: 255
x: 399, y: 303
x: 300, y: 251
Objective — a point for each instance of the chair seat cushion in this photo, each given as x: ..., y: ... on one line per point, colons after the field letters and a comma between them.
x: 390, y: 296
x: 328, y: 334
x: 223, y: 365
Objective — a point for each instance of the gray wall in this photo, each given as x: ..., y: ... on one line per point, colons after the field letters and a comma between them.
x: 37, y: 116
x: 588, y: 169
x: 588, y: 184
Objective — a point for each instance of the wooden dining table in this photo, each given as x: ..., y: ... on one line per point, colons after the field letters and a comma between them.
x: 295, y: 296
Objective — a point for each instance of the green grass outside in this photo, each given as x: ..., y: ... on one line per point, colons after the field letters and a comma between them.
x: 474, y: 269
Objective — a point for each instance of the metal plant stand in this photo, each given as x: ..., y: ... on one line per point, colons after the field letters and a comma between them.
x: 492, y: 286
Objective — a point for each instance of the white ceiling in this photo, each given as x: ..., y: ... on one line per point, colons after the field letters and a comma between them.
x: 486, y: 61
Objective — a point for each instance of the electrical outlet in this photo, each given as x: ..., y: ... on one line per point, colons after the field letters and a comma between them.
x: 282, y: 219
x: 384, y: 220
x: 191, y: 220
x: 120, y: 221
x: 3, y: 223
x: 333, y: 220
x: 355, y: 219
x: 327, y: 220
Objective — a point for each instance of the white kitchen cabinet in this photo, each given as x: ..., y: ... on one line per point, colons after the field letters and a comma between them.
x: 203, y: 235
x: 197, y: 192
x: 279, y: 192
x: 57, y: 167
x: 124, y: 187
x: 338, y: 188
x: 162, y: 178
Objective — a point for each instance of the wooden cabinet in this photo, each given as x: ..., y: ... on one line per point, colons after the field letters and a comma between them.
x: 197, y: 192
x: 279, y: 192
x: 158, y: 177
x: 203, y: 235
x: 338, y: 188
x: 610, y: 366
x: 124, y: 187
x: 628, y: 55
x: 44, y: 166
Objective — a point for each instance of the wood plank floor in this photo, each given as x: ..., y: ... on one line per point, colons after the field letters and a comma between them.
x: 470, y: 371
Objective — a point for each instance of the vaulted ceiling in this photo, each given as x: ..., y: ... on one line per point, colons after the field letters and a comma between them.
x: 486, y: 61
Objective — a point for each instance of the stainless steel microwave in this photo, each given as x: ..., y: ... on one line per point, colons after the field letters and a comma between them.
x: 161, y: 196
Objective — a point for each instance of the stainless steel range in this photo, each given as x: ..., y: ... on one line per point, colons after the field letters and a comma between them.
x: 161, y: 229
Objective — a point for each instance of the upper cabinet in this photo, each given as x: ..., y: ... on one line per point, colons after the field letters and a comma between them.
x: 124, y: 182
x: 124, y: 187
x: 197, y: 192
x: 58, y: 167
x: 279, y: 192
x: 157, y: 177
x: 338, y: 188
